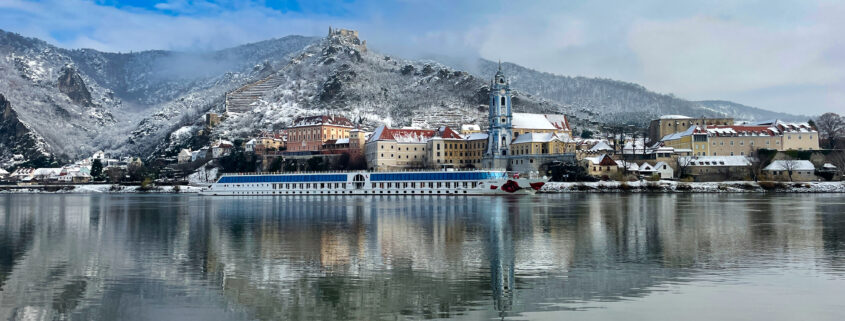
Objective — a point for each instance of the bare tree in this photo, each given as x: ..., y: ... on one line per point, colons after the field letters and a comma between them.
x: 624, y: 163
x: 837, y: 158
x: 789, y: 165
x: 831, y: 126
x: 760, y: 158
x: 682, y: 163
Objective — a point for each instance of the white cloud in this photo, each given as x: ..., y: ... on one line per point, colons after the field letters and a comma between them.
x: 113, y: 29
x: 712, y: 55
x: 767, y: 54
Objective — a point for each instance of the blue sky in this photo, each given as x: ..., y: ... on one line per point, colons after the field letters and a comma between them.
x: 779, y: 55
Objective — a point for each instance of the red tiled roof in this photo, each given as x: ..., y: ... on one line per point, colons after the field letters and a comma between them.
x: 607, y: 161
x: 448, y: 133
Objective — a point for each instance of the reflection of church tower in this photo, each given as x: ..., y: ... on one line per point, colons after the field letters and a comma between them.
x: 500, y: 131
x: 501, y: 257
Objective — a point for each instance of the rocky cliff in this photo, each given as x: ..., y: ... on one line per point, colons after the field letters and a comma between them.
x: 16, y: 137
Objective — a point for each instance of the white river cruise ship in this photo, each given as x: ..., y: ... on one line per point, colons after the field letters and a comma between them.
x: 478, y: 182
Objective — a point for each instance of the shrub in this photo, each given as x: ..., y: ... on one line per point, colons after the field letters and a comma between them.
x: 687, y: 179
x: 723, y: 187
x: 652, y: 186
x: 146, y: 185
x: 683, y: 187
x: 746, y: 186
x: 583, y: 187
x: 625, y: 187
x: 770, y: 186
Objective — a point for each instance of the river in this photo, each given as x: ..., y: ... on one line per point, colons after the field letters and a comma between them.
x: 543, y: 257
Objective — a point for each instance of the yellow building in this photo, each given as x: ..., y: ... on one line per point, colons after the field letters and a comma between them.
x: 468, y: 129
x: 476, y: 145
x: 358, y: 140
x: 523, y: 123
x: 396, y: 149
x: 446, y: 148
x: 670, y: 124
x: 541, y: 144
x: 743, y: 140
x: 602, y: 165
x: 310, y: 133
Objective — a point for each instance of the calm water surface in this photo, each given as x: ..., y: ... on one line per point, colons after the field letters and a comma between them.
x: 546, y: 257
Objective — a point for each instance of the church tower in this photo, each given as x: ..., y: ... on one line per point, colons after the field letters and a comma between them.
x: 500, y: 131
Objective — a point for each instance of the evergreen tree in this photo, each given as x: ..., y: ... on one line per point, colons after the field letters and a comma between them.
x: 97, y: 169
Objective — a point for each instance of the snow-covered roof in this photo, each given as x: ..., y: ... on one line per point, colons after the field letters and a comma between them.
x: 602, y: 159
x: 796, y: 165
x: 223, y: 143
x: 250, y: 142
x: 466, y: 127
x: 3, y: 172
x: 633, y: 167
x: 741, y: 130
x: 675, y: 117
x: 600, y: 146
x: 47, y: 171
x: 23, y: 172
x: 566, y: 138
x: 646, y: 167
x: 783, y: 126
x: 403, y: 135
x: 559, y: 121
x: 633, y: 147
x: 825, y: 166
x: 342, y: 141
x: 539, y: 121
x: 535, y: 138
x: 714, y: 161
x: 476, y: 136
x: 678, y: 135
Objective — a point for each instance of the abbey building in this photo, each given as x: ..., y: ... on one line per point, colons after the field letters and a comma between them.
x: 523, y: 141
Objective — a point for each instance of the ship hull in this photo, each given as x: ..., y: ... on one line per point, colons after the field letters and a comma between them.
x: 469, y: 183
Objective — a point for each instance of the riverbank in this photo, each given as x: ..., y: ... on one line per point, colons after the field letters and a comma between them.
x: 695, y: 187
x: 97, y: 188
x: 550, y: 187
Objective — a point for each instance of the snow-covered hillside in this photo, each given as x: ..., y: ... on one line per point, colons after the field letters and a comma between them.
x: 612, y: 101
x: 70, y: 103
x: 79, y: 101
x: 339, y: 76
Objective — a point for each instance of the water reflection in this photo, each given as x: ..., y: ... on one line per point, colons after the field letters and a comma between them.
x: 154, y: 257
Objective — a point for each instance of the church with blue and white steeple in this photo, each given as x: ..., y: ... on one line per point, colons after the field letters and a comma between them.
x: 500, y: 119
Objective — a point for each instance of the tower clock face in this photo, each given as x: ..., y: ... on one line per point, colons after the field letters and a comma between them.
x: 502, y: 91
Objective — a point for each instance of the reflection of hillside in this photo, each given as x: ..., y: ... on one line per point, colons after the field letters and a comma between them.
x: 347, y: 258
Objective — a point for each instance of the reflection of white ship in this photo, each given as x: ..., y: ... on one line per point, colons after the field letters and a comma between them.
x: 377, y: 183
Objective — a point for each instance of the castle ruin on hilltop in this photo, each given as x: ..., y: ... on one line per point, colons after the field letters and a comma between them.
x: 339, y: 35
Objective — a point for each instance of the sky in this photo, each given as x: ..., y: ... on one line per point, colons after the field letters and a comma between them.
x: 786, y: 56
